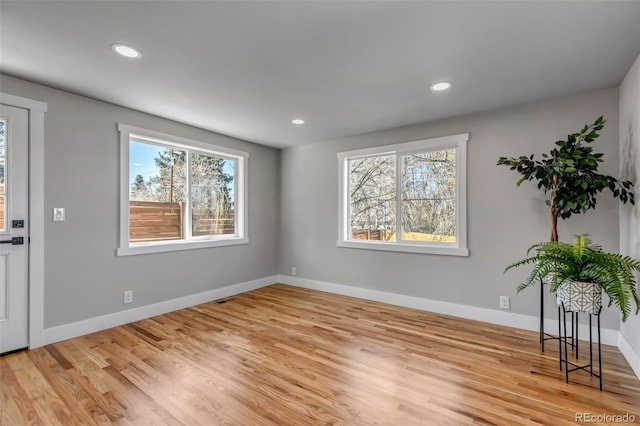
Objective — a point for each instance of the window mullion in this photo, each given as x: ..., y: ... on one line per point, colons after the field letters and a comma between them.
x: 187, y: 202
x: 398, y: 198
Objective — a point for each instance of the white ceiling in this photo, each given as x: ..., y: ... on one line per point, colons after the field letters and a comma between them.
x: 246, y: 69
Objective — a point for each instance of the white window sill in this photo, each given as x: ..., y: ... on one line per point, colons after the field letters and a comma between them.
x: 166, y: 246
x: 408, y: 248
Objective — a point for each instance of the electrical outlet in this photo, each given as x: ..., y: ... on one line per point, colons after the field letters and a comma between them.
x: 505, y: 302
x: 127, y: 296
x: 294, y: 271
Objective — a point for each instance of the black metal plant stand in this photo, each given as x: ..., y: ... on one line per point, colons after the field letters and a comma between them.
x: 563, y: 338
x: 546, y: 336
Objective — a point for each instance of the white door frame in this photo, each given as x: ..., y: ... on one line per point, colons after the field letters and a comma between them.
x: 36, y: 110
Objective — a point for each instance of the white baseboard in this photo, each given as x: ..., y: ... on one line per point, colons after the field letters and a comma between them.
x: 632, y: 357
x: 509, y: 319
x: 91, y: 325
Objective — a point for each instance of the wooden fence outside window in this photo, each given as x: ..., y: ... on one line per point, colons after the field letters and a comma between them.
x: 153, y: 221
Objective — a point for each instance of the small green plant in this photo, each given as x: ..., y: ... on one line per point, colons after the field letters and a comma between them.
x: 561, y: 263
x: 569, y: 173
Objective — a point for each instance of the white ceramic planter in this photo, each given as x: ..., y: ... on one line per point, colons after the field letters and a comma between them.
x: 577, y: 296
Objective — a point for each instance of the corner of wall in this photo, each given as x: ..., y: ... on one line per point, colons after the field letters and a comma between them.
x: 629, y: 131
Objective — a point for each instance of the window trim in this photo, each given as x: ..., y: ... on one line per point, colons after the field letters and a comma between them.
x: 125, y: 248
x: 457, y: 142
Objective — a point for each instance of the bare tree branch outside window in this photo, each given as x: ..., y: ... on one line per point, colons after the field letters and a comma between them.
x: 373, y: 194
x: 428, y: 199
x: 428, y: 196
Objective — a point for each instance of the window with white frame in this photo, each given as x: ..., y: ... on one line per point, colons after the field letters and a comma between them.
x: 178, y: 194
x: 405, y: 197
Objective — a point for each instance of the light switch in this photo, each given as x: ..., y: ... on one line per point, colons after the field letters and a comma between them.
x: 58, y: 214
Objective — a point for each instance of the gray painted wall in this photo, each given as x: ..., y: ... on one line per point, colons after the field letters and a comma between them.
x: 83, y: 276
x: 503, y: 221
x: 297, y: 190
x: 630, y: 167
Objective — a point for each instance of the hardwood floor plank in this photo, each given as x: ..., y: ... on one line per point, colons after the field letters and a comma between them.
x: 60, y: 359
x: 18, y: 408
x: 44, y: 400
x: 65, y: 387
x: 283, y: 355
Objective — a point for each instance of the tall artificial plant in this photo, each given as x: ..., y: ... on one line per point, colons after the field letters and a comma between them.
x: 569, y: 175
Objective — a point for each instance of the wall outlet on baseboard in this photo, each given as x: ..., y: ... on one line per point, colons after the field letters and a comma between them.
x: 294, y: 271
x: 505, y: 303
x: 127, y: 296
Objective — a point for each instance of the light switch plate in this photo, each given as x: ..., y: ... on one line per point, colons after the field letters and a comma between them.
x: 58, y: 214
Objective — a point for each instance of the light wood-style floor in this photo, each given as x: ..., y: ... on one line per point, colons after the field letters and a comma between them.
x: 282, y: 355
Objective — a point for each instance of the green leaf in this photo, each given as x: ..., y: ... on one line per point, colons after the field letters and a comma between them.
x: 575, y: 164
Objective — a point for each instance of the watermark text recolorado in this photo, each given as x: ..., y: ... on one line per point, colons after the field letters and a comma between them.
x: 605, y: 418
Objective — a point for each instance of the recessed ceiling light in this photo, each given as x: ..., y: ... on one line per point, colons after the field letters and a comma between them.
x: 298, y: 122
x: 126, y: 51
x: 440, y: 86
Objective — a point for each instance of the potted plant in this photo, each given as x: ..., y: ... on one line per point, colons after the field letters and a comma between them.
x: 569, y: 175
x: 580, y: 271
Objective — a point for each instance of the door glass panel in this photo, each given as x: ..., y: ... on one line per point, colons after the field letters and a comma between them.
x: 2, y: 214
x: 3, y: 124
x: 3, y: 160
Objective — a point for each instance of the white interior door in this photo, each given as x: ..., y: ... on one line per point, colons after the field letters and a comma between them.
x: 14, y: 137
